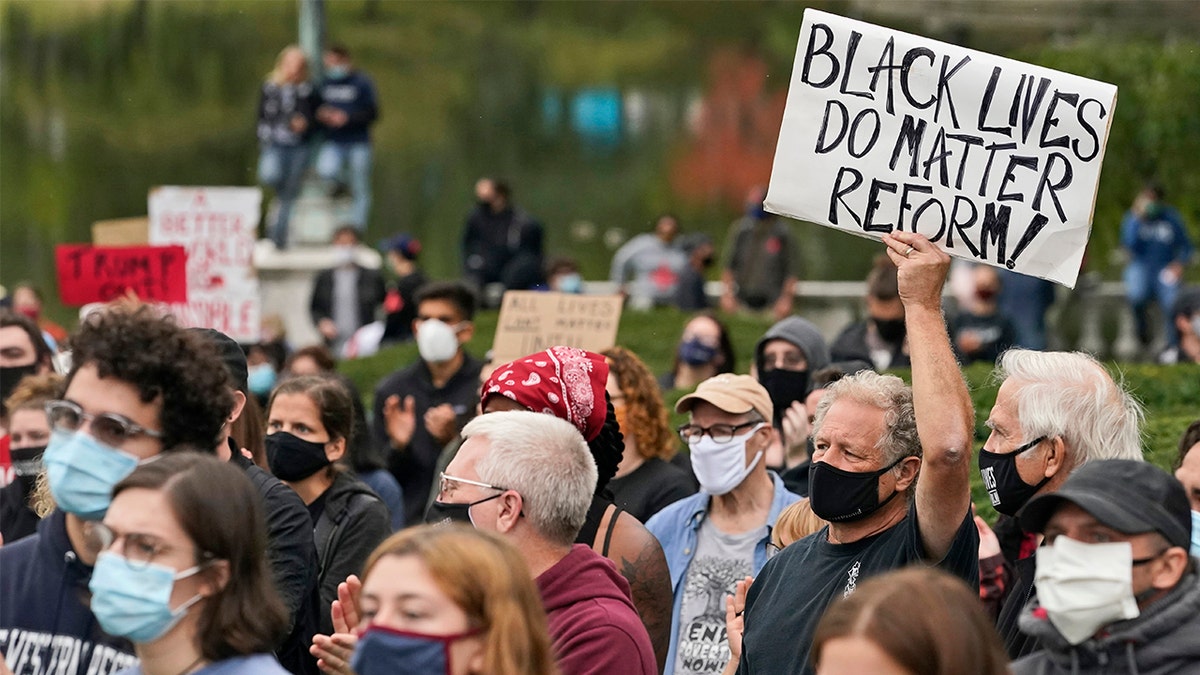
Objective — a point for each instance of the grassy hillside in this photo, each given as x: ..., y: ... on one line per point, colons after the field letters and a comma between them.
x: 1171, y: 395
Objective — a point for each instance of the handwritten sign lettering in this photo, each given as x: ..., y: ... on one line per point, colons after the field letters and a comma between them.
x: 531, y: 321
x: 101, y: 273
x: 996, y: 160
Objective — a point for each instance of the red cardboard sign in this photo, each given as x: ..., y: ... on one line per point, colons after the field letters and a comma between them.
x: 89, y: 273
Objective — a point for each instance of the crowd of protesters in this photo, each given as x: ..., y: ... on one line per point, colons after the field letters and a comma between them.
x: 162, y: 514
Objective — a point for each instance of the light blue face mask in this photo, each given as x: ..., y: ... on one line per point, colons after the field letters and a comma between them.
x: 82, y: 472
x: 336, y: 72
x: 134, y: 601
x: 261, y: 379
x: 1196, y: 533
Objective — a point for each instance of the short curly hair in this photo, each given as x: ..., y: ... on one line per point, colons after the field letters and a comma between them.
x: 645, y: 413
x: 163, y: 361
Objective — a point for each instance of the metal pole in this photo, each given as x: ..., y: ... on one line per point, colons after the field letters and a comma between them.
x: 312, y: 34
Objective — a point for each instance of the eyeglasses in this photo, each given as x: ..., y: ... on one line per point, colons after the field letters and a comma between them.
x: 447, y: 484
x: 137, y: 548
x: 720, y: 433
x: 108, y: 428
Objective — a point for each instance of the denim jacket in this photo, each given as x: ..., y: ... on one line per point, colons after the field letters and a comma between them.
x: 676, y: 529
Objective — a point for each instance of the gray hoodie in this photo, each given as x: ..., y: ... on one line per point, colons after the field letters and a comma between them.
x: 1164, y: 639
x: 803, y: 334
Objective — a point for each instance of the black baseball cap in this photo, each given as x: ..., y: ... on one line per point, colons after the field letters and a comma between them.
x: 230, y: 352
x: 1127, y: 495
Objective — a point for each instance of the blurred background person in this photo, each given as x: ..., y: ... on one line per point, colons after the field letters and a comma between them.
x: 27, y: 301
x: 501, y: 243
x: 29, y: 432
x: 562, y: 275
x: 881, y: 338
x: 1158, y: 245
x: 400, y: 301
x: 182, y: 571
x: 1025, y: 299
x: 348, y: 109
x: 647, y: 267
x: 704, y: 349
x: 444, y: 599
x: 761, y: 265
x: 646, y: 480
x: 916, y: 621
x: 23, y: 352
x: 1186, y: 317
x: 1187, y: 472
x: 785, y: 359
x: 309, y: 423
x: 691, y: 295
x: 346, y: 296
x: 980, y: 332
x: 287, y: 104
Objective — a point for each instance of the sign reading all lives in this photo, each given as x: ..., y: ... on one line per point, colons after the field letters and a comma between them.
x: 531, y: 321
x: 995, y: 160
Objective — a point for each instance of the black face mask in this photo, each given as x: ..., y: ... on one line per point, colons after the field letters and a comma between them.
x: 839, y: 496
x: 442, y: 513
x: 784, y: 387
x: 11, y: 376
x: 1003, y: 482
x: 890, y: 330
x: 292, y: 458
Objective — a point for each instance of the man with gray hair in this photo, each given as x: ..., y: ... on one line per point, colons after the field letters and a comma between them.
x: 530, y: 477
x: 1054, y: 412
x: 872, y: 436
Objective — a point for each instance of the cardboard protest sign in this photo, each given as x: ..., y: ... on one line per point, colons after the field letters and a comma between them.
x: 217, y: 226
x: 996, y: 160
x: 531, y: 321
x: 101, y: 273
x: 121, y: 232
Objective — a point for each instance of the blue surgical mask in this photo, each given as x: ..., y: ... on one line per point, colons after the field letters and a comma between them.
x: 382, y: 650
x: 570, y: 283
x: 82, y: 472
x: 260, y: 379
x: 1196, y: 533
x: 336, y: 72
x: 134, y: 601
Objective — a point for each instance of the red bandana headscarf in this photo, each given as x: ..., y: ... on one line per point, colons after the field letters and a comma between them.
x: 562, y: 381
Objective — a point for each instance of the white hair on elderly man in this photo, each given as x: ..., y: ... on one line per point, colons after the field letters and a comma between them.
x: 546, y: 461
x: 888, y: 393
x: 1070, y: 395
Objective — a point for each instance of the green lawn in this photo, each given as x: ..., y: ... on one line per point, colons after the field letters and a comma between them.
x: 1171, y: 394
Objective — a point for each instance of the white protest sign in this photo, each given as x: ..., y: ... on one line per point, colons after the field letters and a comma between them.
x: 996, y: 160
x: 217, y: 226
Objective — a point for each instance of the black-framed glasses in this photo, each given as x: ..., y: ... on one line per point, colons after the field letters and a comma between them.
x: 720, y: 433
x: 137, y: 548
x: 108, y: 428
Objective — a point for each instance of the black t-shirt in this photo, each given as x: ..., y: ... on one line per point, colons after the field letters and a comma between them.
x: 786, y: 601
x: 650, y: 488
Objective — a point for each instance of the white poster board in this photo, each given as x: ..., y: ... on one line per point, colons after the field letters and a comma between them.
x: 217, y: 226
x: 996, y: 160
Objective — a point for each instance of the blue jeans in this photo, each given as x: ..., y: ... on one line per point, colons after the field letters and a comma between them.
x: 281, y: 168
x: 1144, y: 285
x: 334, y: 158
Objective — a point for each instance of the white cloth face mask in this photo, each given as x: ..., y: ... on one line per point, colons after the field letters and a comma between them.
x: 1085, y: 587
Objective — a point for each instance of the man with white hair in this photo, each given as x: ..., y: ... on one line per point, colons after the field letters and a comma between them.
x: 530, y: 477
x: 872, y: 435
x: 1054, y: 412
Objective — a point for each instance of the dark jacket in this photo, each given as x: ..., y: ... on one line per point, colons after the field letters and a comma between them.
x: 351, y: 525
x: 1164, y: 639
x: 293, y: 559
x: 354, y: 95
x: 370, y: 295
x: 17, y: 519
x: 851, y: 345
x: 277, y: 104
x: 44, y: 615
x: 493, y: 243
x: 400, y: 307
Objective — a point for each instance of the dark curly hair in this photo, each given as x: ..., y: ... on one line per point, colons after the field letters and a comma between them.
x: 163, y: 361
x: 607, y: 448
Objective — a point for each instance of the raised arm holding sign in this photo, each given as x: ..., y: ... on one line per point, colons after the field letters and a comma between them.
x: 995, y: 160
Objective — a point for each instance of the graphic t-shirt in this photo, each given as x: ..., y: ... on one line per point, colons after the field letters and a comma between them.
x: 795, y: 587
x: 721, y: 560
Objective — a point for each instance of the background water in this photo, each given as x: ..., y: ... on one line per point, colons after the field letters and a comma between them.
x: 601, y: 114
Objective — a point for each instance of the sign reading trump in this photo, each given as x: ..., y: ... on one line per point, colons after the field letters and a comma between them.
x: 995, y: 160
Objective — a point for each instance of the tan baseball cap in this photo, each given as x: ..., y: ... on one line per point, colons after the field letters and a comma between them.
x: 735, y: 394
